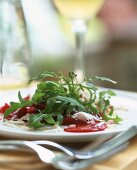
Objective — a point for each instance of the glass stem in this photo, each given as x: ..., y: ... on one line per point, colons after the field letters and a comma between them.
x: 1, y: 65
x: 79, y: 28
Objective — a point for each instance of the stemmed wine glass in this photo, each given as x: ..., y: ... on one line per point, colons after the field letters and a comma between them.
x: 79, y: 12
x: 14, y: 51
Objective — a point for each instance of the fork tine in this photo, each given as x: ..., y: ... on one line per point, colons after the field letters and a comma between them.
x: 121, y: 137
x: 112, y: 143
x: 125, y: 135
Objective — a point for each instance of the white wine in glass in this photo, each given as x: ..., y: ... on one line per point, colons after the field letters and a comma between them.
x: 79, y: 12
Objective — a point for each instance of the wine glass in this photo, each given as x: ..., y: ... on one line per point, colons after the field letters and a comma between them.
x: 79, y: 12
x: 14, y: 51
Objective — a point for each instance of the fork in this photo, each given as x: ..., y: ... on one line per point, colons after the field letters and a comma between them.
x: 62, y: 160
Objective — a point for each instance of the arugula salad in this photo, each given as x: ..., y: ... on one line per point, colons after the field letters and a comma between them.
x: 63, y: 101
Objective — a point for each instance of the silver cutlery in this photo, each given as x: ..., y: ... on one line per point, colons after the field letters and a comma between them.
x: 74, y: 159
x: 64, y: 162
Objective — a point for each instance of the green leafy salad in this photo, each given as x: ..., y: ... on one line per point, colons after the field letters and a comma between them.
x: 62, y: 100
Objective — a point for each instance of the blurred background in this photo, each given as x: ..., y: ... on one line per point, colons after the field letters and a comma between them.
x: 111, y: 41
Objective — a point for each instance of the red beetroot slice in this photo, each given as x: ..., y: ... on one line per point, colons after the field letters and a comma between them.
x: 70, y: 121
x: 31, y: 109
x: 86, y: 128
x: 4, y: 108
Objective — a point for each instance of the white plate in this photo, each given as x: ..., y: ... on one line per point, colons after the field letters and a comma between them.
x: 125, y: 100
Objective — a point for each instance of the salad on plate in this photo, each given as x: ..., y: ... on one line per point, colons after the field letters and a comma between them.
x: 63, y: 101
